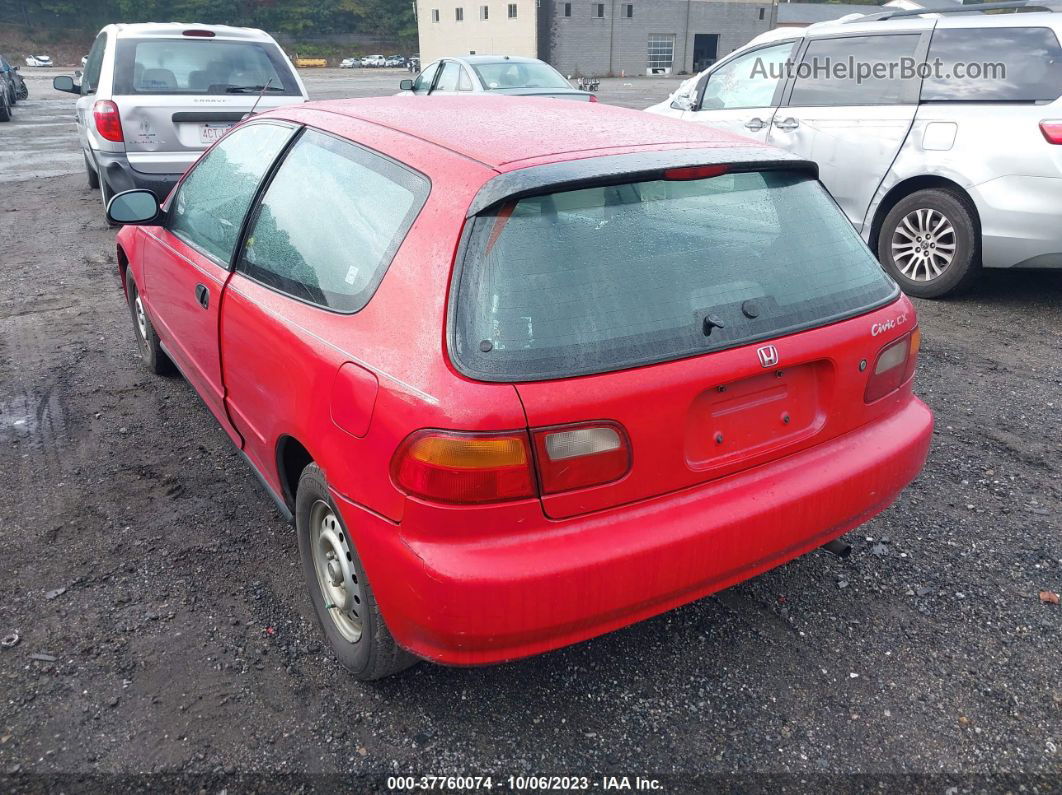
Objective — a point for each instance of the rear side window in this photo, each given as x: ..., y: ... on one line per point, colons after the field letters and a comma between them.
x: 213, y: 200
x: 201, y: 66
x: 330, y: 222
x: 1008, y: 65
x: 830, y: 72
x: 604, y: 278
x: 90, y: 80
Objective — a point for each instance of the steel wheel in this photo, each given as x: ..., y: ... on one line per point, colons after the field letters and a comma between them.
x: 923, y: 245
x: 336, y: 577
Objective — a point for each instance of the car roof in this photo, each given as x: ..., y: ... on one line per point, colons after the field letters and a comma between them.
x: 478, y: 59
x: 176, y: 29
x: 502, y: 131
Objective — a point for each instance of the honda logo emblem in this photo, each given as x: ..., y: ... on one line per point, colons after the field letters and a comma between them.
x: 768, y: 355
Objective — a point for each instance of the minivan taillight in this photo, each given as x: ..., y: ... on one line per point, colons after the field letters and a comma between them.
x: 1052, y: 130
x: 894, y: 366
x: 579, y: 456
x: 108, y: 122
x: 464, y: 468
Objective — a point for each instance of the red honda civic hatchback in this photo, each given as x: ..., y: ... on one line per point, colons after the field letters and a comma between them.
x: 523, y: 371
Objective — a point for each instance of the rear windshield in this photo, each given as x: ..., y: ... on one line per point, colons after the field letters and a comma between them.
x: 514, y: 74
x: 201, y: 66
x: 603, y: 278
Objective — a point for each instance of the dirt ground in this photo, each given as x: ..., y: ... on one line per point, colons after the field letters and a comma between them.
x: 163, y: 625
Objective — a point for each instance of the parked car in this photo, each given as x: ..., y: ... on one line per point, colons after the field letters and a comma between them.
x: 6, y: 101
x: 395, y: 61
x: 662, y: 362
x: 10, y: 73
x: 493, y: 74
x: 155, y: 95
x: 941, y: 176
x: 38, y: 60
x: 373, y: 60
x: 413, y: 64
x: 350, y: 63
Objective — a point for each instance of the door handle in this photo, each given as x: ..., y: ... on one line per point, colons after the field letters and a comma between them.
x: 755, y: 124
x: 202, y: 295
x: 787, y: 124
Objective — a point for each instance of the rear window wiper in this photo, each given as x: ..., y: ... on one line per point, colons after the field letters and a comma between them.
x: 251, y: 89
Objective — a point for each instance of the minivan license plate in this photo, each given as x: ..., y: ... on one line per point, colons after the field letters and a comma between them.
x: 209, y: 133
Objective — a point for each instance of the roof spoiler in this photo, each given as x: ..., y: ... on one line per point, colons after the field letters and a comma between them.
x: 634, y: 167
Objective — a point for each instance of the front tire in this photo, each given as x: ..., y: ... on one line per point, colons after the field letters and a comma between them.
x: 5, y: 109
x: 929, y: 243
x: 151, y: 352
x: 343, y: 600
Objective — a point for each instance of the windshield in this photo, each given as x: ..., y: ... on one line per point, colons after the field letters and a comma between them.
x: 516, y: 74
x: 201, y: 66
x: 603, y: 278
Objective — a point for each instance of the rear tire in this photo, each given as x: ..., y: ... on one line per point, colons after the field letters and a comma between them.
x: 154, y: 358
x: 106, y: 194
x: 333, y: 571
x: 929, y: 243
x: 5, y: 108
x: 93, y: 177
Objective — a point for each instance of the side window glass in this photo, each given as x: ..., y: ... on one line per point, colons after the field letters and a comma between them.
x: 994, y: 65
x: 451, y: 73
x: 824, y: 76
x: 211, y: 203
x: 465, y: 82
x: 423, y: 81
x: 748, y: 81
x: 90, y: 80
x: 330, y: 222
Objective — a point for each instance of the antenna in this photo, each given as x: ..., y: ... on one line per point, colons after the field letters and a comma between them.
x: 259, y: 99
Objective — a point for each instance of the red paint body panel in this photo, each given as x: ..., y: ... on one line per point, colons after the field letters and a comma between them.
x: 482, y: 583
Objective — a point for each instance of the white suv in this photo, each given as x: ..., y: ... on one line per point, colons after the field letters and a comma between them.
x: 942, y: 172
x: 154, y: 96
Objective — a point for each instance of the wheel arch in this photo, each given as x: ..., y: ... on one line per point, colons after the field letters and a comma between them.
x: 123, y: 267
x: 905, y: 188
x: 292, y: 458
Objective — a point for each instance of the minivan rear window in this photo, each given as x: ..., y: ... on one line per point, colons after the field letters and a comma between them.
x: 604, y: 278
x: 201, y: 66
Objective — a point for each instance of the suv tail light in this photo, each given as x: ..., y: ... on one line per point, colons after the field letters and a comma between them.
x: 466, y: 468
x: 579, y: 456
x: 108, y: 122
x: 1052, y: 130
x: 894, y: 366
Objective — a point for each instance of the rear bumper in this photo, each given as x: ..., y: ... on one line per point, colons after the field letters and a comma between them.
x: 1020, y: 221
x: 487, y: 600
x: 121, y: 176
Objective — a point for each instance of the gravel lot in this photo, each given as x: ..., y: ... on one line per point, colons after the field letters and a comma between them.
x: 164, y: 628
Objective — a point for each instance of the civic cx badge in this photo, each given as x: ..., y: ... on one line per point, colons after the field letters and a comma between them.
x: 768, y: 355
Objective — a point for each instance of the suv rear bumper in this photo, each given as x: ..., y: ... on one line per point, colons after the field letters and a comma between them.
x: 121, y: 176
x: 488, y: 599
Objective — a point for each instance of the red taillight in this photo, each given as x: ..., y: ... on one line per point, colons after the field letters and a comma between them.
x: 580, y: 456
x: 894, y: 366
x: 108, y: 122
x: 203, y: 34
x: 465, y: 468
x: 1052, y: 130
x: 694, y: 172
x: 593, y: 97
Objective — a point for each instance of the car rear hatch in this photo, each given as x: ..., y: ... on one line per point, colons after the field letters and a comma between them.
x: 176, y: 96
x: 703, y: 317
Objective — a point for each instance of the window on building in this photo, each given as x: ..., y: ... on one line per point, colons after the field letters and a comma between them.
x: 598, y: 10
x: 661, y: 51
x: 459, y: 14
x: 512, y: 10
x: 567, y: 9
x: 484, y: 12
x: 627, y: 11
x: 435, y: 15
x: 761, y: 13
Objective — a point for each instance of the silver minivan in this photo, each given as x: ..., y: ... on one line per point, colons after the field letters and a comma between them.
x: 155, y: 95
x: 939, y: 134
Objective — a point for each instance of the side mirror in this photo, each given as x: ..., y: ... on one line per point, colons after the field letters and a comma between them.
x: 16, y: 68
x: 406, y: 85
x: 133, y: 207
x: 684, y: 102
x: 65, y: 83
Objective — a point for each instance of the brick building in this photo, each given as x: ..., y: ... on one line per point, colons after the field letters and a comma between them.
x: 580, y: 37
